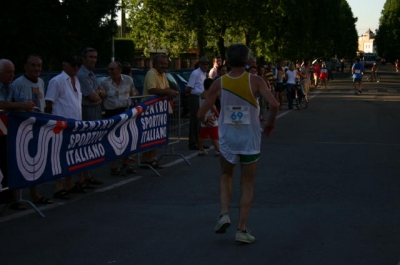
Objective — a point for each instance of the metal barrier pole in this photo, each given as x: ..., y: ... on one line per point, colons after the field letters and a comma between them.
x: 21, y: 201
x: 174, y: 130
x: 174, y: 134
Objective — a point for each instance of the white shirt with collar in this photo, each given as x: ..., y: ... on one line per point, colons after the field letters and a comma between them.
x: 118, y: 96
x: 196, y: 81
x: 66, y: 102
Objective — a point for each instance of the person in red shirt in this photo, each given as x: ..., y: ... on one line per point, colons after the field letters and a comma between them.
x: 317, y: 72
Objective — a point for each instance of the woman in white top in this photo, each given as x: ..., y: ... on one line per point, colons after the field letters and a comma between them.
x: 290, y: 77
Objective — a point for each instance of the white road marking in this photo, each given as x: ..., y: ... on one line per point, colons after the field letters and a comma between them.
x: 118, y: 184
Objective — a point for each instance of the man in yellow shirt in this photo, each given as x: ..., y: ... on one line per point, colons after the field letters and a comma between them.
x: 156, y: 83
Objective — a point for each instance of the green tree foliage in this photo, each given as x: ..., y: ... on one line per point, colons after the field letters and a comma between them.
x: 274, y: 28
x: 53, y: 28
x: 343, y: 31
x: 388, y: 35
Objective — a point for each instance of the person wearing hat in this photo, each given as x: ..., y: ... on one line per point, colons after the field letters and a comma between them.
x: 64, y: 98
x: 195, y: 87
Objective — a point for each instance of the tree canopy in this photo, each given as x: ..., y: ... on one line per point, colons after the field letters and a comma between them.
x: 53, y: 28
x: 387, y: 38
x: 274, y: 29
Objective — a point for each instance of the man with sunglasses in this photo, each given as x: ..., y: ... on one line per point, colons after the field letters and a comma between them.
x: 64, y: 98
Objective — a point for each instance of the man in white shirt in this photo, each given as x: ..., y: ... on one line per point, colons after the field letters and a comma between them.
x: 195, y: 87
x: 64, y: 98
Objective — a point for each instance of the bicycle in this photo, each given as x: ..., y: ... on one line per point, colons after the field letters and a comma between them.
x: 299, y: 97
x: 371, y: 78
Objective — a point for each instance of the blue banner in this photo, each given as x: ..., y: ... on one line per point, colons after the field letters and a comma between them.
x: 43, y: 147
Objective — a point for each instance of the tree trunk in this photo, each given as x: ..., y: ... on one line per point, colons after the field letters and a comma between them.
x: 201, y: 42
x: 247, y: 39
x: 221, y: 42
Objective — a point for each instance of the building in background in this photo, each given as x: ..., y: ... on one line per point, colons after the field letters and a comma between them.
x: 366, y: 42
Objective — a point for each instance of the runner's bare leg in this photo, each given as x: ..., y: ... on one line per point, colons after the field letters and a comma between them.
x: 248, y: 173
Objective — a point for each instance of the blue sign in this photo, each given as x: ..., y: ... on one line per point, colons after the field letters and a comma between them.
x: 43, y: 147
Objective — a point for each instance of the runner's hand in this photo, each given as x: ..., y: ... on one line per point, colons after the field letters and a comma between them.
x: 269, y: 128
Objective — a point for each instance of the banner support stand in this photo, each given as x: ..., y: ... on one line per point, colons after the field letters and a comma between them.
x: 22, y: 201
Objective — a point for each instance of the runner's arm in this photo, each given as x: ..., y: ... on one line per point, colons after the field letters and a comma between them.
x: 273, y: 104
x: 213, y: 92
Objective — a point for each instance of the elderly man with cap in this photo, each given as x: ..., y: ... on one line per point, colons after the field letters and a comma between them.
x: 195, y: 87
x: 64, y: 98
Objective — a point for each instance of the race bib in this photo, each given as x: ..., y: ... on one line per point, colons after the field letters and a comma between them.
x: 357, y: 71
x: 237, y: 115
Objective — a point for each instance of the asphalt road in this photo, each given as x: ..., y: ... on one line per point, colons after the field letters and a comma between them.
x: 327, y: 192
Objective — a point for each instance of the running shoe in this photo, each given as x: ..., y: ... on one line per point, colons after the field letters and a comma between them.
x: 202, y: 153
x: 222, y: 224
x: 244, y: 237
